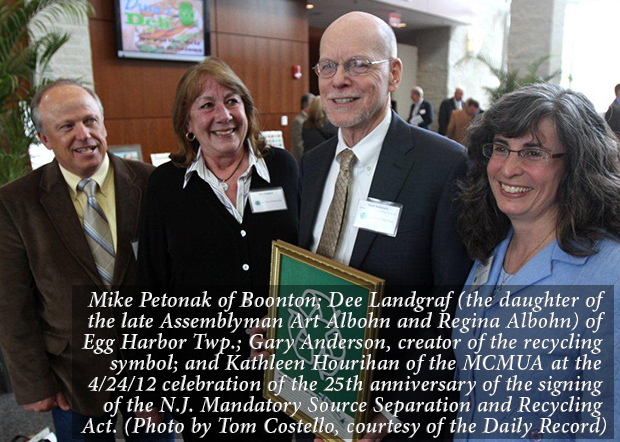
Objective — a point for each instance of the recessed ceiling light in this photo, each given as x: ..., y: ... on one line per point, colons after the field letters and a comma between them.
x: 309, y: 6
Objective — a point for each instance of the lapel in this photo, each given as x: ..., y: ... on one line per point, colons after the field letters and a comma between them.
x: 312, y: 189
x: 56, y: 201
x: 259, y: 183
x: 128, y: 196
x: 395, y: 163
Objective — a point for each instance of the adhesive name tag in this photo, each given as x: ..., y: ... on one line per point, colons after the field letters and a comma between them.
x: 482, y: 274
x: 378, y: 216
x: 267, y: 200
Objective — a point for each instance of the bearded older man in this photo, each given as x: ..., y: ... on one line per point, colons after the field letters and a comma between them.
x: 393, y: 163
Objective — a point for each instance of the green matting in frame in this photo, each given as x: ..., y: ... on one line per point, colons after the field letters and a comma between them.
x: 329, y: 340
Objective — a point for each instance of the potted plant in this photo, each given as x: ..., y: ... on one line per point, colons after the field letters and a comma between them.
x: 26, y: 48
x: 510, y: 80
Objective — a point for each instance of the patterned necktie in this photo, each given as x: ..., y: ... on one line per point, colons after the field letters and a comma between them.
x: 335, y: 215
x: 98, y: 232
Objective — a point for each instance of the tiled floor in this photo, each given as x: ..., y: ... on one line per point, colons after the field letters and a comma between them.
x: 15, y: 420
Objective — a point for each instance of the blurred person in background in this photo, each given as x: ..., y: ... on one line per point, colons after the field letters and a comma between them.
x: 317, y: 128
x: 297, y: 142
x: 448, y: 106
x: 421, y: 113
x: 460, y: 120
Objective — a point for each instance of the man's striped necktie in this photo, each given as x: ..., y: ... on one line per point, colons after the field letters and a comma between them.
x: 98, y: 232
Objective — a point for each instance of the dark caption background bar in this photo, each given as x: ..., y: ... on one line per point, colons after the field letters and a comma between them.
x: 128, y: 384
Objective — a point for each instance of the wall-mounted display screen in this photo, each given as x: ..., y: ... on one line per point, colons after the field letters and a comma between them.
x: 163, y: 29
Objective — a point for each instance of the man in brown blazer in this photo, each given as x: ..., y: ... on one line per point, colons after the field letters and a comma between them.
x: 45, y: 253
x: 460, y: 119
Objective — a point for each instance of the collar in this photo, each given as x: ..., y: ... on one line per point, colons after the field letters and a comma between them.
x: 618, y: 101
x: 368, y: 149
x: 557, y: 254
x: 199, y: 167
x: 553, y: 253
x: 99, y: 177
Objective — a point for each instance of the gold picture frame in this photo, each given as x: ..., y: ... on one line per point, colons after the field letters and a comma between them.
x: 300, y: 278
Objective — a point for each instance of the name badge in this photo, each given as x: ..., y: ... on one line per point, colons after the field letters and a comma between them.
x: 267, y: 200
x: 378, y: 216
x: 482, y: 274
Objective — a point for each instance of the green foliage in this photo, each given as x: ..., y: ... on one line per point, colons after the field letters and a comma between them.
x: 22, y: 54
x: 509, y: 80
x: 16, y: 137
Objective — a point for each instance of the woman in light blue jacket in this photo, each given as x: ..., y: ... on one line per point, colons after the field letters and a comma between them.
x: 540, y: 214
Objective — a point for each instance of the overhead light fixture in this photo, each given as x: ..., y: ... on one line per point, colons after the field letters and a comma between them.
x: 474, y: 40
x: 309, y: 6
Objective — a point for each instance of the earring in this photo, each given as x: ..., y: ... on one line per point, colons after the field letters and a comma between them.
x: 190, y: 136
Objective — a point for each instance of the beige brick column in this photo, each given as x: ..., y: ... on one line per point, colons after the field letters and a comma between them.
x: 74, y: 59
x: 536, y: 29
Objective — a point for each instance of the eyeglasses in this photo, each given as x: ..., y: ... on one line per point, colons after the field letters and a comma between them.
x: 354, y: 66
x: 535, y: 156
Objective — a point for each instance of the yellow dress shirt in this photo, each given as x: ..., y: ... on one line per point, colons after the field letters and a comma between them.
x: 106, y: 195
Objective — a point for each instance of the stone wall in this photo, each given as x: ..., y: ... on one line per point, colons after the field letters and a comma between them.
x: 536, y: 30
x: 433, y: 52
x: 485, y: 36
x: 440, y: 51
x: 74, y: 59
x: 409, y: 56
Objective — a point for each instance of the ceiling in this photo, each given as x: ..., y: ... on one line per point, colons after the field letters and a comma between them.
x: 417, y: 14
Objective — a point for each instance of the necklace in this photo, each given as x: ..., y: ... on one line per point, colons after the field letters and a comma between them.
x: 223, y: 182
x: 507, y: 275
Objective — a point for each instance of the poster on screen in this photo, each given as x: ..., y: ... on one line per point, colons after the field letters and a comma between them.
x: 163, y: 29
